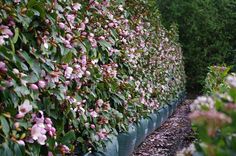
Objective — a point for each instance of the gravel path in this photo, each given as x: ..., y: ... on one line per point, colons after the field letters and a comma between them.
x: 172, y: 136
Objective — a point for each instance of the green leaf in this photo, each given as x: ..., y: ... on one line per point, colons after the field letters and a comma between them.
x: 21, y: 90
x: 37, y: 7
x: 80, y: 139
x: 67, y: 58
x: 104, y: 44
x: 17, y: 150
x: 6, y: 150
x: 32, y: 78
x: 5, y: 125
x: 15, y: 38
x: 32, y: 62
x: 68, y: 138
x: 35, y: 149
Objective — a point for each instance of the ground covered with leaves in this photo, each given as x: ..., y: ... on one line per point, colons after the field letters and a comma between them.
x: 175, y: 134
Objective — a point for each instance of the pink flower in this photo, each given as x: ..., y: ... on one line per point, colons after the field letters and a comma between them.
x: 6, y: 31
x: 61, y: 25
x: 52, y: 131
x: 94, y: 44
x: 68, y: 72
x: 76, y: 6
x: 111, y: 25
x: 66, y: 42
x: 24, y: 109
x: 65, y: 149
x: 41, y: 83
x: 70, y: 18
x: 17, y: 1
x: 102, y: 134
x: 48, y: 121
x: 82, y: 26
x: 2, y: 40
x: 50, y: 153
x: 101, y: 38
x: 94, y: 114
x: 3, y: 67
x: 16, y: 125
x: 38, y: 133
x: 84, y: 60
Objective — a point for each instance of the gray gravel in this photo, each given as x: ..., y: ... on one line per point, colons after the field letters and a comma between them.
x: 172, y: 136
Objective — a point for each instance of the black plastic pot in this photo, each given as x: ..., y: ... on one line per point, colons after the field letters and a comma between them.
x: 111, y: 148
x: 152, y: 118
x: 142, y: 131
x: 127, y: 141
x: 171, y: 109
x: 166, y: 112
x: 174, y: 106
x: 159, y: 118
x: 161, y: 113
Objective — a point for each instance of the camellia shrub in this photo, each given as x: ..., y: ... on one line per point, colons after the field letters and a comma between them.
x: 213, y: 116
x: 72, y: 74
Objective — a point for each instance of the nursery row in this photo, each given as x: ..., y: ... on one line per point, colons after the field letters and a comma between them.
x: 74, y: 74
x: 125, y: 143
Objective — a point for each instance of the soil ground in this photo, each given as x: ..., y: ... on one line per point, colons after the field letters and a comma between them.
x: 175, y: 134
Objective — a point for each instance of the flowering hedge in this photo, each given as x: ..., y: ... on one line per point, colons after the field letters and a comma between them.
x: 74, y: 73
x: 214, y: 115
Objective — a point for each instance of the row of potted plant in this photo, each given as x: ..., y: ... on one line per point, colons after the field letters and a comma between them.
x: 73, y: 74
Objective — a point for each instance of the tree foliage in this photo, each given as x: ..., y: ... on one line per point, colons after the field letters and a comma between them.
x: 207, y: 33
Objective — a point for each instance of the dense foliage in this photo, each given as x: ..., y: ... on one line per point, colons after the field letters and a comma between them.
x: 207, y: 33
x: 74, y: 73
x: 214, y: 115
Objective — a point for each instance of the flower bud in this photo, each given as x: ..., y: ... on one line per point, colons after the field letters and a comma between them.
x: 21, y: 142
x: 34, y: 87
x: 93, y: 126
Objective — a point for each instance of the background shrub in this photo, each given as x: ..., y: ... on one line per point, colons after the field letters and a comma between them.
x: 207, y: 34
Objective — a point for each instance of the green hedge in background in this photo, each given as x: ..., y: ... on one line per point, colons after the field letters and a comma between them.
x: 207, y: 33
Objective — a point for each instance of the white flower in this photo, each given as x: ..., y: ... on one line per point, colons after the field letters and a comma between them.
x: 21, y: 142
x: 42, y: 84
x: 45, y: 45
x: 25, y: 108
x: 16, y: 71
x: 99, y: 102
x: 94, y: 61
